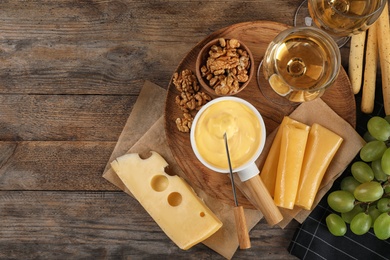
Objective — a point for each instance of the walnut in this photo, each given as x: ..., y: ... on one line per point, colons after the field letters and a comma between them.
x: 242, y: 77
x: 189, y: 102
x: 182, y: 103
x: 222, y: 89
x: 233, y: 43
x: 201, y: 99
x: 190, y: 98
x: 226, y: 66
x: 184, y: 124
x: 222, y: 42
x: 185, y: 81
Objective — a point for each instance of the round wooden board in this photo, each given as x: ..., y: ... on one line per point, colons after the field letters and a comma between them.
x: 256, y: 35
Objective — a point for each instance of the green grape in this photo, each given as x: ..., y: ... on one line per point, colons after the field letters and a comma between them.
x: 374, y: 212
x: 368, y: 137
x: 382, y: 226
x: 341, y: 201
x: 349, y: 183
x: 387, y: 118
x: 379, y: 174
x: 336, y: 225
x: 385, y: 163
x: 361, y: 223
x: 387, y: 189
x: 368, y: 191
x: 379, y: 128
x: 362, y: 172
x: 372, y: 151
x: 348, y: 216
x: 383, y: 205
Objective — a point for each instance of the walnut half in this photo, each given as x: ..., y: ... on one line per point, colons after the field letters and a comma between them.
x: 184, y: 124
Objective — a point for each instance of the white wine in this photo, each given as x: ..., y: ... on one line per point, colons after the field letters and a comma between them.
x: 301, y: 64
x: 345, y: 17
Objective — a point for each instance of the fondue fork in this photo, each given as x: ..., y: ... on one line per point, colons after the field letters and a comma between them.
x: 239, y: 216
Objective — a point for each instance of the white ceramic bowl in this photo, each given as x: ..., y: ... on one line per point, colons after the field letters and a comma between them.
x: 246, y: 170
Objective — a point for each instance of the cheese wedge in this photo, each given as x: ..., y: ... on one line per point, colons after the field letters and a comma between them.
x: 169, y: 200
x: 292, y: 150
x: 270, y: 167
x: 321, y: 147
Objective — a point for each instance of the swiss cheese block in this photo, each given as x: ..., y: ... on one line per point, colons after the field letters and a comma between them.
x: 322, y: 145
x: 292, y: 150
x: 270, y: 167
x: 169, y: 200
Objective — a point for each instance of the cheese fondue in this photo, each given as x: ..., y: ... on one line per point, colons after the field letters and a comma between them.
x: 243, y: 130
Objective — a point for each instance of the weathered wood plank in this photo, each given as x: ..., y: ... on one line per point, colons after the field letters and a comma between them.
x: 63, y: 117
x: 109, y: 225
x: 54, y: 165
x: 57, y: 131
x: 103, y: 47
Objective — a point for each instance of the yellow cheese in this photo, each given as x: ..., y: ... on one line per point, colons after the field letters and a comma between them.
x: 268, y: 172
x: 169, y: 200
x: 321, y: 147
x: 292, y: 150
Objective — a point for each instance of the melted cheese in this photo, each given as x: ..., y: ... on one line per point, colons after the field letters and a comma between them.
x: 241, y: 126
x: 169, y: 200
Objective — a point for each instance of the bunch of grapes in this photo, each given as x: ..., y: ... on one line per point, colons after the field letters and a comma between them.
x: 363, y: 200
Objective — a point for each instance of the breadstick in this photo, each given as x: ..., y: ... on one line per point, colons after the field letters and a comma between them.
x: 356, y: 54
x: 371, y: 60
x: 383, y: 34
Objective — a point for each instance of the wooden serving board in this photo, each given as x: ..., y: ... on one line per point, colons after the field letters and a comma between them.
x: 256, y: 35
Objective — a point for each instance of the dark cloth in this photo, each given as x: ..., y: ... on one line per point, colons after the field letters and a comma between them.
x: 312, y: 240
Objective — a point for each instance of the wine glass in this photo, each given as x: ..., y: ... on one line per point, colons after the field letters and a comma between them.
x: 339, y: 18
x: 299, y: 65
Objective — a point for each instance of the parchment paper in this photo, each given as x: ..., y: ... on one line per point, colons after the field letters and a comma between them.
x: 319, y: 112
x: 135, y: 139
x: 144, y: 132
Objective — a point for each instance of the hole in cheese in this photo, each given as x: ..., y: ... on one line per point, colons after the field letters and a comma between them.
x: 174, y: 199
x: 159, y: 183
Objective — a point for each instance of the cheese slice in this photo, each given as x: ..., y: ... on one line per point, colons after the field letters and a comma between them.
x: 292, y: 150
x: 321, y: 147
x: 270, y: 167
x: 169, y: 200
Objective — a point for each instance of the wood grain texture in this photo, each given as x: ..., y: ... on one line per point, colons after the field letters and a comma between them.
x: 110, y: 225
x: 70, y: 72
x: 63, y: 117
x: 256, y: 35
x: 62, y: 165
x: 109, y: 47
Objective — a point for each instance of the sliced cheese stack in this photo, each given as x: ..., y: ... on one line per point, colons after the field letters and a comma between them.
x: 321, y: 147
x: 292, y: 150
x: 169, y: 200
x: 297, y: 161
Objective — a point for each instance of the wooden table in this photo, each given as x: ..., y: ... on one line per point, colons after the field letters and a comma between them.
x: 70, y: 73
